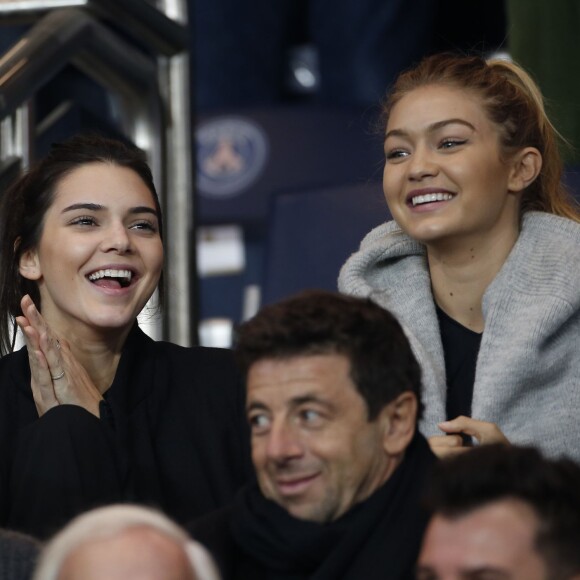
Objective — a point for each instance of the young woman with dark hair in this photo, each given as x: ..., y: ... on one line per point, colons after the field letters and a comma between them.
x: 93, y: 411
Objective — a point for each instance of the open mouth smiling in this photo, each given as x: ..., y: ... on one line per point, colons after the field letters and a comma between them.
x: 422, y: 199
x: 110, y: 278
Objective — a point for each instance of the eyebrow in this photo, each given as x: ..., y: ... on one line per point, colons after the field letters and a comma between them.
x: 498, y: 574
x: 488, y: 571
x: 433, y: 127
x: 295, y: 402
x: 98, y: 207
x: 256, y: 406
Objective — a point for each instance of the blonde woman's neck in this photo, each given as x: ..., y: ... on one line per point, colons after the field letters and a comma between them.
x: 461, y: 272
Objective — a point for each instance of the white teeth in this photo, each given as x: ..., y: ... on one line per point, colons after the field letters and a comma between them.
x: 430, y: 198
x: 108, y: 273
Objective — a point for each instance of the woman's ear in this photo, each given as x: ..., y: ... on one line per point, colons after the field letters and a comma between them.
x: 526, y: 166
x: 29, y: 265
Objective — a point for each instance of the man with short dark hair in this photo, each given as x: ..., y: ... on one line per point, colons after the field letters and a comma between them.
x: 332, y: 398
x: 503, y: 513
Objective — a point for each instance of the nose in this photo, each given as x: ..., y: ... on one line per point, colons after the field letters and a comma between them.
x: 422, y: 164
x: 283, y: 443
x: 116, y: 239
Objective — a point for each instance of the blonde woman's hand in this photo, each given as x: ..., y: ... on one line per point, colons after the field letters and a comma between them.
x: 453, y: 443
x: 57, y: 378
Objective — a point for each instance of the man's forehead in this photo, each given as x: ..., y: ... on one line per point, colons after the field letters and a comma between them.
x: 289, y: 378
x: 497, y: 536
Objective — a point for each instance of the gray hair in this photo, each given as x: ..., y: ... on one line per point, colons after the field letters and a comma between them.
x: 107, y: 522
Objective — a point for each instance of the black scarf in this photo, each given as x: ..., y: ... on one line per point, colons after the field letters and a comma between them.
x: 377, y: 539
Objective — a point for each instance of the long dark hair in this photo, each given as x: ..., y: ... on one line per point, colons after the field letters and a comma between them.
x: 25, y: 203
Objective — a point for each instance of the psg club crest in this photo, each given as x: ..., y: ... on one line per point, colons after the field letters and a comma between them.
x: 231, y: 155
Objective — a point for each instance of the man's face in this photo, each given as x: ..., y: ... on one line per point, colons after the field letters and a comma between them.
x: 315, y: 452
x: 493, y: 542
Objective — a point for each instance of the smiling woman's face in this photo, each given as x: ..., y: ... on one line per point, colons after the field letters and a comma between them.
x: 444, y: 177
x: 100, y: 254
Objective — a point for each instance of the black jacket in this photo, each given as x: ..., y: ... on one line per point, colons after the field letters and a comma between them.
x: 172, y: 435
x: 378, y: 539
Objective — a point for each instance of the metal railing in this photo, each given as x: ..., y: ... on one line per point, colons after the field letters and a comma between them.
x: 149, y: 80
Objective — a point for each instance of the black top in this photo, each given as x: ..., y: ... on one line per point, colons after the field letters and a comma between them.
x: 175, y: 438
x: 460, y: 347
x: 377, y: 539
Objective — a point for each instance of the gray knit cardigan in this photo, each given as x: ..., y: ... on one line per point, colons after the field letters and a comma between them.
x: 528, y: 369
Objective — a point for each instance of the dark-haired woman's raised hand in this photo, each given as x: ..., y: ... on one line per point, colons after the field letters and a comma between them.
x: 453, y: 443
x: 57, y: 378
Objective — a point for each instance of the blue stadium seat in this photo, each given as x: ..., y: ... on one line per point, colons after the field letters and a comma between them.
x: 311, y: 233
x: 572, y: 180
x: 245, y: 160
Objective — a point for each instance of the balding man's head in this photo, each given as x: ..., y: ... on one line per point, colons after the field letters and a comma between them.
x: 124, y: 543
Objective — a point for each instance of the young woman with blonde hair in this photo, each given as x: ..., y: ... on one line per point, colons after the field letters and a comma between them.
x: 482, y: 261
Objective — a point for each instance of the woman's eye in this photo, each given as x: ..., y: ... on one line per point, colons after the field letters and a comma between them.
x: 84, y: 221
x: 144, y: 225
x: 396, y: 154
x: 451, y: 143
